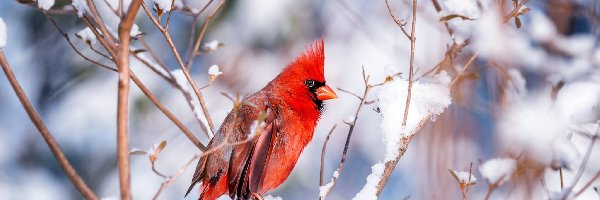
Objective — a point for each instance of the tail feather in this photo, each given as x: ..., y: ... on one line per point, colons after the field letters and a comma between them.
x: 212, y: 192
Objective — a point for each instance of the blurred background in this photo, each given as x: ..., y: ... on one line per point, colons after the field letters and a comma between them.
x: 518, y: 70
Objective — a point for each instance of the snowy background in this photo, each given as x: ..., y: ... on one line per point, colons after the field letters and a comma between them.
x: 531, y: 95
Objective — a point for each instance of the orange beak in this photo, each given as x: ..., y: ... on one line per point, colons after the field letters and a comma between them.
x: 325, y: 93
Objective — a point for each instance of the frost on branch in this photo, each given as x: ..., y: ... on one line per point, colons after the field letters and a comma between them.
x: 463, y: 177
x: 323, y: 190
x: 213, y: 73
x: 163, y: 6
x: 81, y: 6
x: 87, y: 36
x: 182, y: 82
x: 499, y: 170
x: 2, y: 33
x: 45, y: 4
x: 429, y: 97
x: 369, y: 192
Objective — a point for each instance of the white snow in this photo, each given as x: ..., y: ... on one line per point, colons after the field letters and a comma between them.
x: 81, y: 6
x: 212, y: 46
x: 154, y: 65
x: 498, y: 170
x: 135, y: 30
x: 541, y: 27
x: 164, y: 5
x: 564, y: 154
x: 464, y: 177
x: 214, y: 70
x: 369, y: 191
x: 325, y: 188
x: 87, y: 35
x: 181, y: 80
x: 467, y: 8
x: 45, y: 4
x: 3, y: 34
x: 349, y: 119
x: 269, y: 197
x: 429, y: 98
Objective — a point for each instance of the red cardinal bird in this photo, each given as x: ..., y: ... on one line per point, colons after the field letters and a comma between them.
x: 247, y: 161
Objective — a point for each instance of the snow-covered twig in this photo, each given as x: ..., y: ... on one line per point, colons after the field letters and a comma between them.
x: 326, y: 189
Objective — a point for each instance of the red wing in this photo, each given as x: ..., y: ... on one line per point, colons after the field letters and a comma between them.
x: 246, y: 171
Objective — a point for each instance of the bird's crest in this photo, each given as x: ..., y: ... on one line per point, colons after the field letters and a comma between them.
x: 311, y: 62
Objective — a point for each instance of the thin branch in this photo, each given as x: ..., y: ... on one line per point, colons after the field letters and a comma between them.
x: 412, y: 61
x: 584, y: 163
x: 514, y: 12
x: 351, y: 125
x: 588, y: 184
x: 323, y: 154
x: 171, y: 179
x: 190, y: 60
x: 64, y: 163
x: 400, y: 23
x: 123, y: 69
x: 166, y: 112
x: 100, y: 23
x: 188, y: 76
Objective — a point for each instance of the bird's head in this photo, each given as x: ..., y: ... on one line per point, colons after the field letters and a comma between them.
x: 304, y: 78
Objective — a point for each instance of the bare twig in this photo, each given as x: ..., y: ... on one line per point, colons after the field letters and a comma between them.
x: 351, y: 125
x: 584, y: 163
x: 190, y: 60
x: 400, y: 23
x: 588, y: 184
x: 412, y: 60
x: 64, y: 163
x: 171, y: 179
x: 188, y: 76
x: 123, y: 69
x: 323, y: 154
x: 514, y: 12
x: 169, y: 115
x: 142, y: 87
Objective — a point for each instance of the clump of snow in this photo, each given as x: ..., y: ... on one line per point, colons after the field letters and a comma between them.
x: 162, y: 5
x: 531, y: 126
x: 213, y: 72
x: 323, y: 190
x: 212, y: 46
x: 498, y: 170
x: 541, y: 27
x: 81, y: 6
x: 429, y: 97
x: 45, y: 4
x: 564, y: 154
x: 369, y: 191
x: 3, y: 34
x: 269, y: 197
x: 87, y: 35
x: 349, y: 119
x: 464, y: 177
x: 462, y: 28
x: 135, y: 30
x: 466, y: 8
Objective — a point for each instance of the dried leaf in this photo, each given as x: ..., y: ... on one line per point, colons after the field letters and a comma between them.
x: 136, y: 151
x: 157, y: 149
x: 449, y: 17
x: 518, y: 22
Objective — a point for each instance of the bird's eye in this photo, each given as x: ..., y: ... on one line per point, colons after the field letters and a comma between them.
x: 309, y: 83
